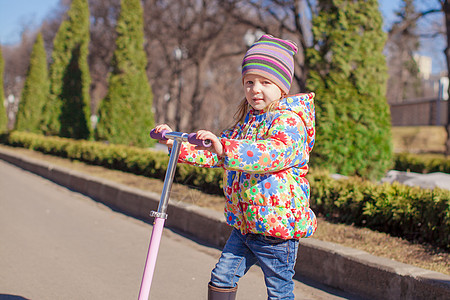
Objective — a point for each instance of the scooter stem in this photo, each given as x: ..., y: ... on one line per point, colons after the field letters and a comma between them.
x: 170, y: 173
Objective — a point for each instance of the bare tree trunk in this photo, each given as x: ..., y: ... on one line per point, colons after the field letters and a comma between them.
x: 178, y: 103
x: 303, y: 27
x: 197, y: 99
x: 403, y: 77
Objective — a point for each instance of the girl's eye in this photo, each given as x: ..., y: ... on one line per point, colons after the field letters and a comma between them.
x: 249, y: 82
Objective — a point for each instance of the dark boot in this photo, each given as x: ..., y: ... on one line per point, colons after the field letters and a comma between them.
x: 216, y: 293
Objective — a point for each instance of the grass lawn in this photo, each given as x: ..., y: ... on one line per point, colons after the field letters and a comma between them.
x: 419, y: 139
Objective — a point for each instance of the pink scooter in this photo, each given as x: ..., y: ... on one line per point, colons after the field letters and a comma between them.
x: 160, y: 215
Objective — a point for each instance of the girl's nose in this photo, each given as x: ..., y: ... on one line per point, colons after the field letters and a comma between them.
x: 256, y: 87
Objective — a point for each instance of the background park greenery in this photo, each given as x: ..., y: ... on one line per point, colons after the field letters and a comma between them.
x: 343, y: 63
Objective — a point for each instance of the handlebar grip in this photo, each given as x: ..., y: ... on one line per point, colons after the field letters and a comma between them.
x: 192, y: 138
x: 158, y: 135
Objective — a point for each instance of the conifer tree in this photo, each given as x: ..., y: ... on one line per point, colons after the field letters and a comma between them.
x: 125, y: 115
x: 35, y: 91
x: 348, y: 73
x: 3, y: 115
x: 68, y: 112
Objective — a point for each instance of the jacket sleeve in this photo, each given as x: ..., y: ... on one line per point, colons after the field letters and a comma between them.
x: 199, y: 158
x: 284, y: 146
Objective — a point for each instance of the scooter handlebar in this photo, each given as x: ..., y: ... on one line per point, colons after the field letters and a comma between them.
x: 191, y: 138
x: 158, y: 135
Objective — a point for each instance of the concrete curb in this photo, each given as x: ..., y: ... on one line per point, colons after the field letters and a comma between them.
x: 344, y: 268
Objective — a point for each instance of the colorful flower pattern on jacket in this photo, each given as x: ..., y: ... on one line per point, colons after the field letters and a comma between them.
x: 266, y: 161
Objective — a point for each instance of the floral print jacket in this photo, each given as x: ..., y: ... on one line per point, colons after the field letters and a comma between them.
x: 266, y: 160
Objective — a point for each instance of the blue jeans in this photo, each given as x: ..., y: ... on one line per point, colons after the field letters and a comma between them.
x: 276, y: 257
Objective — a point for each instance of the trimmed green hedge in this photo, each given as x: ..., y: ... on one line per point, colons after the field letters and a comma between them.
x: 422, y: 163
x: 413, y: 213
x: 416, y: 214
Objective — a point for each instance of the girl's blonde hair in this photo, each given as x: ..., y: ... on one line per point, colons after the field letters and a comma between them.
x: 244, y: 108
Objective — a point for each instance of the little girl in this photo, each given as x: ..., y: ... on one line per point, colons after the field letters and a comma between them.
x: 265, y: 156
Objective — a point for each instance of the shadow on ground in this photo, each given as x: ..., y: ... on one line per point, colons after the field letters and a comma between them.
x: 11, y: 297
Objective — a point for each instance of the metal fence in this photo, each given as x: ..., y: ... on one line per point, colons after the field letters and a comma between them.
x: 427, y: 112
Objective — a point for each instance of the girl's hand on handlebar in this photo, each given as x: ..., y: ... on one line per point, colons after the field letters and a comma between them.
x: 216, y: 146
x: 161, y: 127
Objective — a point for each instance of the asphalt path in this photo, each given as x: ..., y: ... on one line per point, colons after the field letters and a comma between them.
x: 59, y: 244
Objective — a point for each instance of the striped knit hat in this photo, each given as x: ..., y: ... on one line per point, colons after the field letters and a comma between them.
x: 271, y: 58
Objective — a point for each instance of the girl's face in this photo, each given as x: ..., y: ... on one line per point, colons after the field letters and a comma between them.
x: 260, y: 91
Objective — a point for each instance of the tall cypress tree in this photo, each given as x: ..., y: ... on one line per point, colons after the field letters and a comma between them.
x: 3, y: 115
x: 35, y: 91
x: 125, y: 115
x: 348, y: 73
x: 68, y: 112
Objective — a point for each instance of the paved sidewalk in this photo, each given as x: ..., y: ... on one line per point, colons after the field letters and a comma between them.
x: 343, y: 268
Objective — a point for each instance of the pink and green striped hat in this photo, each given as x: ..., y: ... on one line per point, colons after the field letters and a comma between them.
x: 272, y: 58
